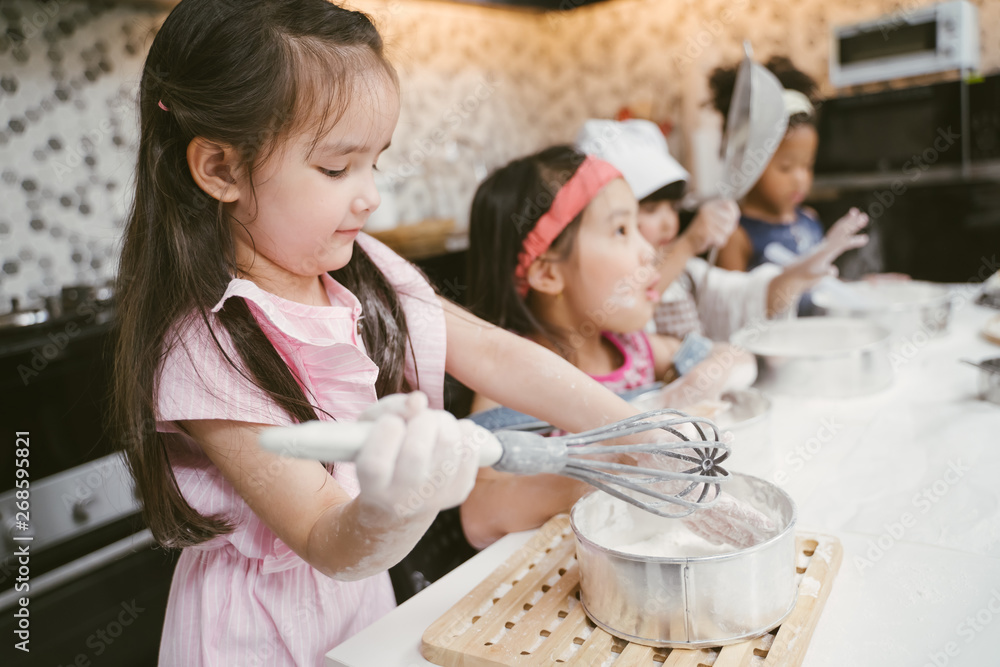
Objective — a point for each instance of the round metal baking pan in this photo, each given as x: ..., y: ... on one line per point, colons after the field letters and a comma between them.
x: 686, y: 601
x: 820, y: 357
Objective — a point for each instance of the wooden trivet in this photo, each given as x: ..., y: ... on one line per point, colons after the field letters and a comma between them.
x: 528, y: 612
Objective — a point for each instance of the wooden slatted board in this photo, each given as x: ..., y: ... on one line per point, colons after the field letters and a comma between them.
x: 527, y: 612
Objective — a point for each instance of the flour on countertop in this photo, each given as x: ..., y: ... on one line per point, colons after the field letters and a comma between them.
x: 810, y: 587
x: 825, y: 552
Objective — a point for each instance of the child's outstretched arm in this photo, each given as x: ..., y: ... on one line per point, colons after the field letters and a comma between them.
x: 805, y: 272
x: 714, y: 224
x: 527, y: 377
x: 725, y: 368
x: 303, y: 504
x: 532, y: 379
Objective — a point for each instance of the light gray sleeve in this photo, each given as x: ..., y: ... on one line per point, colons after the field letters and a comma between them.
x: 729, y: 300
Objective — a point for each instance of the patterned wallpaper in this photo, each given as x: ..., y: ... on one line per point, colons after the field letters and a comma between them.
x: 552, y: 71
x: 68, y: 76
x: 480, y: 86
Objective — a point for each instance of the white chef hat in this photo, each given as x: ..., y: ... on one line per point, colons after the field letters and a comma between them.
x: 637, y: 148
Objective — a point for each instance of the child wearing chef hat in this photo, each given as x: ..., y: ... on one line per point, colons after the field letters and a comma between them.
x: 696, y: 297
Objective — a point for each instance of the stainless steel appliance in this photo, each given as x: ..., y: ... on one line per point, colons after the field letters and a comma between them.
x: 909, y: 42
x: 989, y: 378
x: 76, y: 557
x: 924, y: 163
x: 915, y: 135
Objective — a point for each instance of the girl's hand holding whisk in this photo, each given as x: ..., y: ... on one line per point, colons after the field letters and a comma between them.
x: 417, y: 461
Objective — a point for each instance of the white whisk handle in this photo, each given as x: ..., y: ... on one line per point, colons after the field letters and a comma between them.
x: 322, y: 441
x: 341, y: 441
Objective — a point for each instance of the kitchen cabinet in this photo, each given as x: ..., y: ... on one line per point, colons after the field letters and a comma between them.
x: 427, y: 238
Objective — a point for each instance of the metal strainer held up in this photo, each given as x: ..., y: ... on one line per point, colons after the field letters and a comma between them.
x: 669, y: 478
x: 755, y: 126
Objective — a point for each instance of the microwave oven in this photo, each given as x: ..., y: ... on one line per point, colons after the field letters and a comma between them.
x: 908, y: 131
x: 911, y: 42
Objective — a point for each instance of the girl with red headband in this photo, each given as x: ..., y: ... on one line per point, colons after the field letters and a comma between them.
x: 556, y: 256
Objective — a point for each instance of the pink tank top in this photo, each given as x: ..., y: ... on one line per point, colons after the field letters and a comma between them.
x: 639, y: 367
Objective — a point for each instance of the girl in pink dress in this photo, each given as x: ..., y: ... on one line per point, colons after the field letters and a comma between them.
x: 248, y: 297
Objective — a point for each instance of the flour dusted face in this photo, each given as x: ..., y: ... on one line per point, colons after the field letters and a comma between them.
x: 610, y: 276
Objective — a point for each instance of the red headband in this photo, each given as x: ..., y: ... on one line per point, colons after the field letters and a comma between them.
x: 590, y: 178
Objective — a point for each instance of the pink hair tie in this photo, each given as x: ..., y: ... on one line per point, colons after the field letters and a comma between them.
x: 163, y: 106
x: 590, y: 178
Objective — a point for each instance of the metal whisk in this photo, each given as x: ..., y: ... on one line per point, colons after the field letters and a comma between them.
x: 695, y: 462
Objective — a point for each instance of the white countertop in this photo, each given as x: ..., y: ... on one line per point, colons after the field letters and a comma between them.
x: 908, y: 479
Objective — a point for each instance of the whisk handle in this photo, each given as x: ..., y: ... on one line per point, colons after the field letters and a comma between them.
x: 341, y: 441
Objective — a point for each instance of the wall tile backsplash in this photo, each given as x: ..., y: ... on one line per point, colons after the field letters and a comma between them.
x: 479, y: 87
x: 67, y: 141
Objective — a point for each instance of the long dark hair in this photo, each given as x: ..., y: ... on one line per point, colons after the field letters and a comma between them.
x: 506, y: 207
x: 245, y: 73
x: 723, y: 81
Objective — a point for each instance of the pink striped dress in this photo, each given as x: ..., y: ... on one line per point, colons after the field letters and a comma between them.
x: 245, y: 598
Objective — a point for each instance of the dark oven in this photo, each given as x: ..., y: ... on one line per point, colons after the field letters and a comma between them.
x: 924, y: 163
x: 910, y: 130
x: 80, y: 576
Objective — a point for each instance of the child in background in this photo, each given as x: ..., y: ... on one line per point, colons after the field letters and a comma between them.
x: 555, y: 255
x: 695, y: 297
x: 248, y: 297
x: 772, y: 212
x: 578, y: 278
x: 638, y: 149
